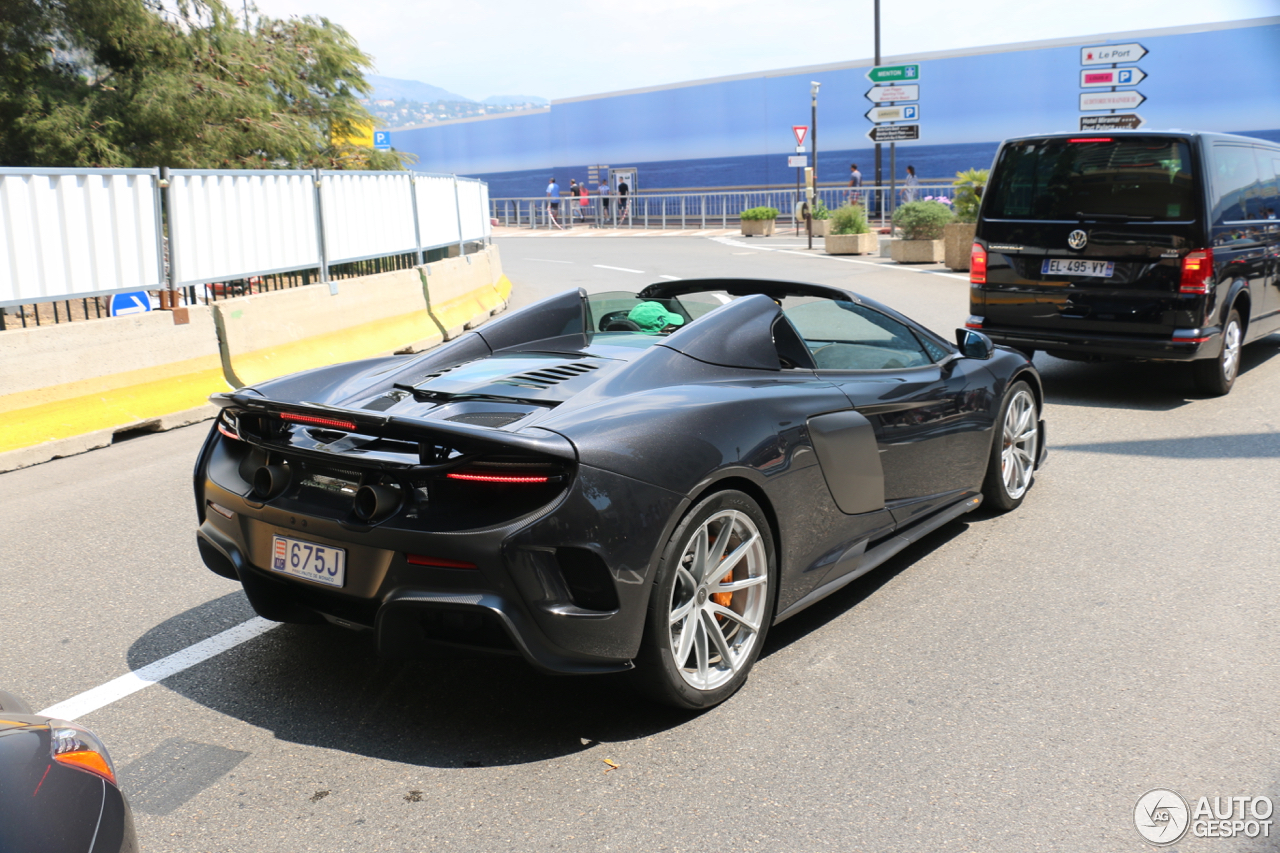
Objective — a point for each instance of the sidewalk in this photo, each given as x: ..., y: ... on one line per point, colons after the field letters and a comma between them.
x: 580, y: 230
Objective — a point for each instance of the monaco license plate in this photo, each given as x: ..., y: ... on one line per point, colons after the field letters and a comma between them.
x: 1066, y: 266
x: 309, y: 561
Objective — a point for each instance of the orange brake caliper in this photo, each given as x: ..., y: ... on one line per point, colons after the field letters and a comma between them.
x: 724, y: 599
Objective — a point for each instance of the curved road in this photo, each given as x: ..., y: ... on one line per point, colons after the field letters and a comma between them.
x: 1011, y: 683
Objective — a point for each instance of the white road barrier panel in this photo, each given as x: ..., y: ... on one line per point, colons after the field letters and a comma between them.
x: 230, y: 225
x: 78, y: 232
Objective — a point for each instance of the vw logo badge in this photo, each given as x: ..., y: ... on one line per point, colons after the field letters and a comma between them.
x: 1077, y: 238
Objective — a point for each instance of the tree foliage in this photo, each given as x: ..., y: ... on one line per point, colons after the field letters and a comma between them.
x: 134, y: 83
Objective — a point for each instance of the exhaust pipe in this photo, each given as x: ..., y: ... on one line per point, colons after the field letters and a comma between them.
x: 270, y: 481
x: 374, y: 503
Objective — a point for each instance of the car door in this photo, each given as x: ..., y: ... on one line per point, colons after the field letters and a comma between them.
x: 930, y: 409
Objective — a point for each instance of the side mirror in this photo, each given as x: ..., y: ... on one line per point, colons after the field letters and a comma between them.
x: 974, y: 344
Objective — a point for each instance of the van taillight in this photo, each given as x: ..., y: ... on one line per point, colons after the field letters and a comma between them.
x: 978, y: 264
x: 1197, y: 272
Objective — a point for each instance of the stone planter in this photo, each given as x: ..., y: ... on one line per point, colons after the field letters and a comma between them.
x: 758, y: 227
x: 958, y: 243
x: 820, y: 227
x: 916, y: 251
x: 851, y: 244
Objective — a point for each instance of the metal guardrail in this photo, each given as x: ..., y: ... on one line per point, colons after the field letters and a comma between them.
x: 697, y: 210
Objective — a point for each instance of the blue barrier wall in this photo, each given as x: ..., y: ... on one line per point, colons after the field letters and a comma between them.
x: 737, y: 131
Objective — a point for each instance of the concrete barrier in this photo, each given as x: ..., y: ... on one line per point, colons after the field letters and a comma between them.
x: 71, y: 387
x: 68, y: 388
x: 465, y: 291
x: 273, y: 334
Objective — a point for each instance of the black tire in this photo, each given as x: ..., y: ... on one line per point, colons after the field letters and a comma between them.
x: 13, y: 705
x: 1015, y: 447
x: 706, y: 676
x: 1216, y: 376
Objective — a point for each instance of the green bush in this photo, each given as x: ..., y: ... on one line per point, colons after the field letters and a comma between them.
x: 922, y: 220
x: 849, y: 219
x: 752, y: 214
x: 969, y: 184
x: 820, y: 210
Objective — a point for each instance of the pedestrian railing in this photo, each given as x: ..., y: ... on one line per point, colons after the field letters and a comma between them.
x: 696, y: 210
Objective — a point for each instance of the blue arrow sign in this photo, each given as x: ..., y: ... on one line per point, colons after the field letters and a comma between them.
x: 134, y: 302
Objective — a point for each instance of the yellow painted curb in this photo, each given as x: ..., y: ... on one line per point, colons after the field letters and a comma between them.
x: 107, y: 407
x: 503, y: 286
x: 380, y: 337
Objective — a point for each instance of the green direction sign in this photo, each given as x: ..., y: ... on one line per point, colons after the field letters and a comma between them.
x: 894, y: 74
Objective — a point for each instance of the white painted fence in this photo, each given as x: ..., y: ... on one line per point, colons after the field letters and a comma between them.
x: 78, y: 232
x: 72, y: 233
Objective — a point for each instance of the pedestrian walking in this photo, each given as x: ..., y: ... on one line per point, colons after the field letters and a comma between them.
x: 911, y: 186
x: 604, y: 201
x: 854, y: 195
x: 623, y: 189
x: 553, y: 200
x: 575, y: 191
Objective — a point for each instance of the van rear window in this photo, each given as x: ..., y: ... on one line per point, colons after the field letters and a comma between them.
x: 1058, y: 179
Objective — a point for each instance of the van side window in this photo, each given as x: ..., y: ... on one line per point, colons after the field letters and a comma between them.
x: 1236, y: 185
x: 1269, y: 192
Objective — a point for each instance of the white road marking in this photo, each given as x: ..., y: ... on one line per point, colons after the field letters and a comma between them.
x: 670, y: 277
x: 619, y: 269
x: 139, y: 679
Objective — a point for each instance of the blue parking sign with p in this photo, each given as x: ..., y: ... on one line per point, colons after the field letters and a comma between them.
x: 382, y: 140
x: 909, y: 113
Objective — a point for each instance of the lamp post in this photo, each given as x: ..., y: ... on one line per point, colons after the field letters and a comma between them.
x: 813, y: 136
x: 879, y: 174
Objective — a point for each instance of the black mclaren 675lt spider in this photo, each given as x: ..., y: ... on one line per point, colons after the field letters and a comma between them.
x: 614, y: 481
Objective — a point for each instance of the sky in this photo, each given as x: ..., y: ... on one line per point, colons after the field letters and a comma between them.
x: 571, y: 48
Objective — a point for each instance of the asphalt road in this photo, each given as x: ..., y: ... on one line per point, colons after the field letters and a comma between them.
x: 1011, y: 683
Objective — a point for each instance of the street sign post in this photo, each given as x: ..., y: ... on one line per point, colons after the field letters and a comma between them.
x: 894, y: 132
x: 798, y: 161
x: 905, y: 112
x: 894, y: 74
x: 382, y: 140
x: 1110, y: 54
x: 801, y: 131
x: 1112, y: 121
x: 1126, y: 99
x: 889, y: 94
x: 1111, y: 77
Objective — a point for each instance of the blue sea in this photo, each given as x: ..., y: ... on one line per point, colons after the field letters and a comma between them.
x: 930, y: 161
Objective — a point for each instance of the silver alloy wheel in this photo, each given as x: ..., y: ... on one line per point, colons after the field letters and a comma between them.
x: 1231, y: 350
x: 1018, y: 450
x: 718, y: 599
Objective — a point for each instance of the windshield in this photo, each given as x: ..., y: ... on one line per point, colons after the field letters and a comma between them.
x: 1061, y: 179
x: 620, y: 313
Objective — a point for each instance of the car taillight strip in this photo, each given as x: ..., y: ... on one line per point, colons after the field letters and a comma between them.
x: 497, y: 478
x: 314, y: 420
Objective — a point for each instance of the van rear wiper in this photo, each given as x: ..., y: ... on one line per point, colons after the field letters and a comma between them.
x: 1122, y: 216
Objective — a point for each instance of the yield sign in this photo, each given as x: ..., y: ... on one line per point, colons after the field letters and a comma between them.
x: 801, y: 131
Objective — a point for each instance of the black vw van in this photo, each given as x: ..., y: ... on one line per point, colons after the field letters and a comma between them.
x: 1133, y: 245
